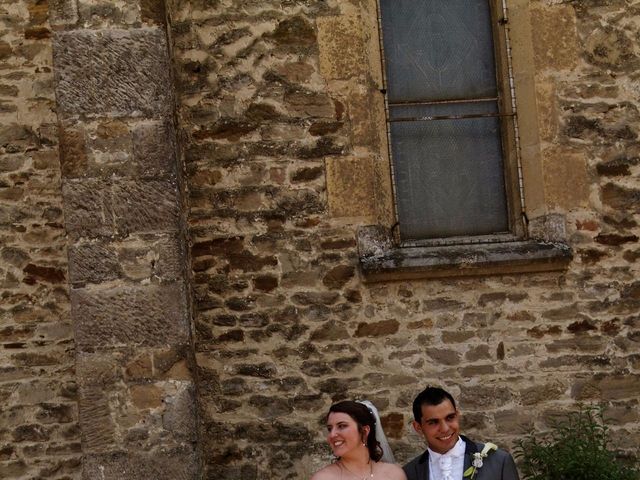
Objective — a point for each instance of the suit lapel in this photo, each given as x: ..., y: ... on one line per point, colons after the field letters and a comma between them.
x: 469, y: 450
x: 423, y: 466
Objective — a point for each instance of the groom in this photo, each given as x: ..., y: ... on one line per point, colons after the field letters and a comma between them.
x: 449, y: 455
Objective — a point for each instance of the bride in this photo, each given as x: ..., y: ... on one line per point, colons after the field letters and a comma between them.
x: 352, y: 428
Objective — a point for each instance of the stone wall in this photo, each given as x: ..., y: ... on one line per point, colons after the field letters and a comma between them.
x: 39, y: 435
x: 211, y: 173
x: 122, y: 202
x: 285, y: 154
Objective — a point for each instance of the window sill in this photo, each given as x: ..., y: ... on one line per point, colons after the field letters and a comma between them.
x: 380, y: 260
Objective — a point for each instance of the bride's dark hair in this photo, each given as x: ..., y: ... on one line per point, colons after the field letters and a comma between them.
x: 362, y: 416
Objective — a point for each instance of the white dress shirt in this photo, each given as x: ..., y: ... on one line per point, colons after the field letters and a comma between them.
x: 449, y: 465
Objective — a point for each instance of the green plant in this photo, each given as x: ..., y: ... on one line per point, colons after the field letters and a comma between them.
x: 576, y: 448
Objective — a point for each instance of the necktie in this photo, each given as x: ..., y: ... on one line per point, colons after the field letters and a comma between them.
x: 446, y: 465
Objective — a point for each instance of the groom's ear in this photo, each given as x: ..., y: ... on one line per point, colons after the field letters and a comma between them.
x: 417, y: 427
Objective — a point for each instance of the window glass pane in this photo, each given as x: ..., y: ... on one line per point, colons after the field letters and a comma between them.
x: 449, y: 177
x: 438, y: 49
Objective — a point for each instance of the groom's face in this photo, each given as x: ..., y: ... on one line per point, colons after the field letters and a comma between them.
x: 439, y: 426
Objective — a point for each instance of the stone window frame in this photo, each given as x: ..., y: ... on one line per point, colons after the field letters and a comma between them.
x: 543, y: 243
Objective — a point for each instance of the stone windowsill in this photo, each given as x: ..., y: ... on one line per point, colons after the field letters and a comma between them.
x: 380, y: 260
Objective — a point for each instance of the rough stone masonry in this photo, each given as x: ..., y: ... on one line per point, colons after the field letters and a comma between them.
x: 180, y: 188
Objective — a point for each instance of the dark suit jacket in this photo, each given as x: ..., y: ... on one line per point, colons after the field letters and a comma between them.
x: 498, y: 465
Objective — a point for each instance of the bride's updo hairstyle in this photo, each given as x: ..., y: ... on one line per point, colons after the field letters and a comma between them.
x: 362, y: 416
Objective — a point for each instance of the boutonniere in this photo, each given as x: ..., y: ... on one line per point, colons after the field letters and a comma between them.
x: 476, y: 463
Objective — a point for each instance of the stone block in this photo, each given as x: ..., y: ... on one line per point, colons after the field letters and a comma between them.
x: 96, y: 207
x: 377, y: 329
x: 547, y: 110
x: 151, y: 256
x: 339, y: 276
x: 153, y: 11
x: 99, y: 370
x: 295, y: 33
x: 138, y: 258
x: 341, y: 44
x: 350, y: 186
x: 513, y: 422
x: 178, y: 464
x: 126, y: 316
x: 145, y: 206
x: 63, y: 12
x: 73, y: 151
x: 555, y: 37
x: 93, y: 263
x: 87, y: 208
x: 179, y: 416
x: 606, y: 387
x: 146, y: 396
x: 116, y: 72
x: 154, y: 149
x: 621, y: 198
x: 330, y: 331
x: 306, y: 103
x: 566, y: 178
x: 97, y: 426
x: 16, y: 138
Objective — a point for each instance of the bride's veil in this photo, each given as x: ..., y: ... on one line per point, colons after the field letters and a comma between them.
x: 387, y: 454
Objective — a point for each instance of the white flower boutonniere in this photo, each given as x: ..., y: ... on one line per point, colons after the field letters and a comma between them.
x: 476, y: 463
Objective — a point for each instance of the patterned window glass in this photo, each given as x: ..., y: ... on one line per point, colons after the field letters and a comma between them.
x: 443, y: 113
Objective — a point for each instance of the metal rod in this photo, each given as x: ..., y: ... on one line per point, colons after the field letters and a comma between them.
x: 443, y: 102
x: 450, y: 117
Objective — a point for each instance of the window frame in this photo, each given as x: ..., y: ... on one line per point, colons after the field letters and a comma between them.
x: 512, y: 167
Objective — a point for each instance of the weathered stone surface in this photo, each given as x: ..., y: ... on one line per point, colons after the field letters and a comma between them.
x: 152, y: 316
x: 351, y: 187
x: 39, y: 417
x: 266, y: 93
x: 73, y: 151
x: 339, y: 276
x: 120, y: 72
x: 606, y: 387
x: 97, y: 426
x: 154, y: 148
x: 63, y: 12
x: 377, y: 329
x: 514, y: 421
x: 561, y: 166
x: 555, y: 37
x: 176, y: 465
x: 138, y: 258
x: 95, y: 208
x: 341, y: 45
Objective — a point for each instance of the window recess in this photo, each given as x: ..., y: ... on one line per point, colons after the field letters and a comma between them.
x: 457, y: 174
x: 451, y: 121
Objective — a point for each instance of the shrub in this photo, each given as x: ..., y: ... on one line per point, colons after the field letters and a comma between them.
x: 576, y: 448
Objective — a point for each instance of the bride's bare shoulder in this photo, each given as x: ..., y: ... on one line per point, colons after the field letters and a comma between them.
x: 392, y: 471
x: 330, y: 472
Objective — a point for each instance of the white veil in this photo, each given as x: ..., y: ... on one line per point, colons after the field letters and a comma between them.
x: 387, y: 454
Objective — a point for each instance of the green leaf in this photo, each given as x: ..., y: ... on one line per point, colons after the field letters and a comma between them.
x: 576, y: 448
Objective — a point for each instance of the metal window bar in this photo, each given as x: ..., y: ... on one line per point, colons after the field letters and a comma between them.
x: 444, y: 102
x: 450, y: 117
x: 516, y: 129
x: 395, y: 231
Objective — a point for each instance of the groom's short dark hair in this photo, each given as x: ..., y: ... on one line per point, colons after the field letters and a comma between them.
x: 430, y: 396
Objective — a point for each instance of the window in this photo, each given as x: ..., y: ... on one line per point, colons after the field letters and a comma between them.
x: 451, y: 121
x: 467, y: 180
